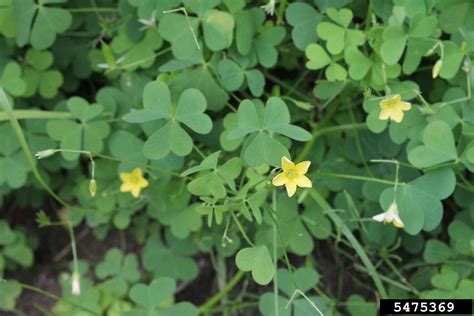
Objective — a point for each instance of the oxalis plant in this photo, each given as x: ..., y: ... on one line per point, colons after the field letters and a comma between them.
x: 233, y: 157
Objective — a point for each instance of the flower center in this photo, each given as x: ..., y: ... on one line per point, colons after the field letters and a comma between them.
x: 292, y: 173
x: 134, y: 179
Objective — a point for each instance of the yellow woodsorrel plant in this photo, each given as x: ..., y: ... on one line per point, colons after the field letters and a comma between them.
x: 234, y: 157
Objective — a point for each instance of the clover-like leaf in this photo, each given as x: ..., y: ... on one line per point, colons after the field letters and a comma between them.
x: 38, y: 76
x: 13, y: 166
x: 171, y: 137
x: 303, y: 17
x: 86, y: 135
x: 264, y: 149
x: 151, y: 296
x: 419, y: 202
x: 438, y: 146
x: 213, y: 183
x: 258, y: 261
x: 38, y: 23
x: 11, y: 79
x: 337, y: 35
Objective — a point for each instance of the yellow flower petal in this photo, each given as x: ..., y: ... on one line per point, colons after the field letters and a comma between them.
x: 405, y: 106
x: 303, y: 167
x: 397, y: 115
x: 136, y: 191
x: 280, y: 179
x: 125, y: 176
x: 125, y: 187
x: 304, y: 182
x: 397, y: 98
x: 384, y: 104
x: 286, y: 164
x: 137, y: 172
x: 290, y: 188
x: 384, y: 114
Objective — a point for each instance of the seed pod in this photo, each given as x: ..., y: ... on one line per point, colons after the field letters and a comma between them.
x: 437, y: 68
x: 93, y: 187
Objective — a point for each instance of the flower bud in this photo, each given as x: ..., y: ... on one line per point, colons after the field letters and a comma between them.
x: 76, y: 284
x: 45, y: 153
x: 93, y: 187
x: 437, y: 68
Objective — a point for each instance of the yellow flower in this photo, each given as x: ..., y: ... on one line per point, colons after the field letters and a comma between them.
x: 292, y: 176
x: 390, y: 216
x: 133, y: 182
x: 392, y: 108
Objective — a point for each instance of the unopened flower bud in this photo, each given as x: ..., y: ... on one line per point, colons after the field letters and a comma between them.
x: 76, y: 284
x: 429, y: 52
x: 45, y: 153
x: 93, y: 187
x: 437, y: 68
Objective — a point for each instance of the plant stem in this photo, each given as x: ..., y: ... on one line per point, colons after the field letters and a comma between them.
x: 242, y: 231
x: 352, y: 239
x: 51, y: 295
x: 35, y: 114
x: 92, y: 10
x: 361, y: 178
x: 26, y: 149
x: 275, y: 256
x: 205, y: 308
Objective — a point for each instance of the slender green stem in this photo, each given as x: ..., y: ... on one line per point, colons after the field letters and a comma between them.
x: 52, y: 296
x: 241, y: 229
x: 92, y: 10
x: 299, y: 292
x: 361, y: 178
x: 400, y: 276
x: 144, y: 60
x: 275, y: 256
x: 35, y: 114
x: 26, y: 149
x: 352, y: 239
x: 216, y: 298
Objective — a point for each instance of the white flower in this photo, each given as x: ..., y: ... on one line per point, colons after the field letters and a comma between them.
x: 76, y: 284
x: 269, y: 7
x: 45, y: 153
x: 148, y: 23
x: 390, y: 216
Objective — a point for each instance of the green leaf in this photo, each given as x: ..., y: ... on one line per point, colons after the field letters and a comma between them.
x: 436, y: 251
x: 190, y: 111
x: 169, y: 138
x: 359, y: 64
x: 304, y: 19
x: 258, y: 261
x: 438, y: 146
x: 218, y: 27
x: 48, y: 22
x: 318, y: 58
x: 7, y: 236
x: 265, y: 150
x: 265, y: 46
x: 11, y: 79
x: 151, y: 296
x: 419, y: 202
x: 277, y: 119
x: 230, y: 74
x: 393, y: 45
x: 9, y: 292
x: 176, y: 29
x: 248, y: 121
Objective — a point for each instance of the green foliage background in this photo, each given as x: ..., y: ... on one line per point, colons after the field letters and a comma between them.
x: 206, y: 96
